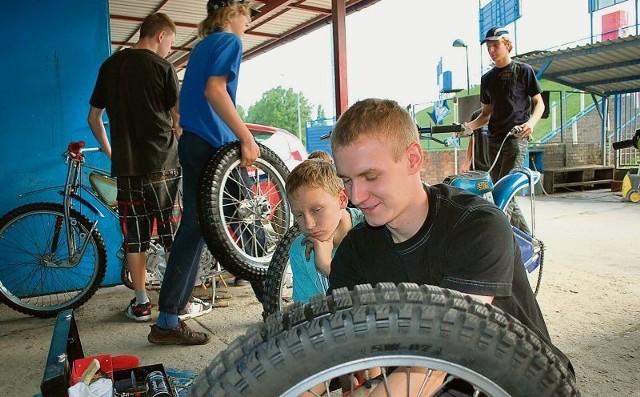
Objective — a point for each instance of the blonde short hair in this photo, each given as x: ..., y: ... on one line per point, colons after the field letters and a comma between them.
x: 314, y: 173
x: 381, y: 119
x: 321, y: 154
x: 221, y: 17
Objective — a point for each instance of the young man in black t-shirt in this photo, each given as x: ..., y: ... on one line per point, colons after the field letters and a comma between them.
x: 507, y: 93
x: 436, y: 235
x: 138, y: 89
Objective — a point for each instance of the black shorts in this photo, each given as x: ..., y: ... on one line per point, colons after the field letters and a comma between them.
x: 145, y: 199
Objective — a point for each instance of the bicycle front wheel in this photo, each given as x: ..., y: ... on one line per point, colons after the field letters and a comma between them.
x: 38, y: 274
x: 243, y: 211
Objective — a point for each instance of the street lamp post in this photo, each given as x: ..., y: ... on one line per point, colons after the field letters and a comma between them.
x: 461, y: 43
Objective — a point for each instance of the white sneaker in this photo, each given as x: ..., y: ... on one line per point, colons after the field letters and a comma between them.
x: 195, y: 308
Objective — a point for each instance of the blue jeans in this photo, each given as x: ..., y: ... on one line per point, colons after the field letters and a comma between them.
x: 182, y: 267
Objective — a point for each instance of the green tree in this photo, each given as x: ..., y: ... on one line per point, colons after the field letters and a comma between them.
x: 241, y: 112
x: 320, y: 114
x: 278, y: 107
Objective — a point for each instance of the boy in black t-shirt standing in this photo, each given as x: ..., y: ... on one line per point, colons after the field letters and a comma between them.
x: 507, y: 93
x: 436, y: 235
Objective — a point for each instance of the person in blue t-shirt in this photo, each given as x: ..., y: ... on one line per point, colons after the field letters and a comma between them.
x: 319, y: 205
x: 209, y: 120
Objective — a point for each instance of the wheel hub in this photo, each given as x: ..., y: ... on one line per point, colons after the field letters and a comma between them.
x: 250, y: 210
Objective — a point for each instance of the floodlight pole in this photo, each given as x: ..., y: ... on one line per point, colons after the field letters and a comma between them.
x: 461, y: 43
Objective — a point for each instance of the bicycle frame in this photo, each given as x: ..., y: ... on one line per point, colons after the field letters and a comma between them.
x: 75, y: 159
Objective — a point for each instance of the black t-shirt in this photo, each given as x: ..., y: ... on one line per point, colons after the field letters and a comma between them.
x: 466, y: 244
x: 508, y: 91
x: 137, y: 88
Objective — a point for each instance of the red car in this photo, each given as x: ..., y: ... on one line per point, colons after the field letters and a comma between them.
x: 286, y: 145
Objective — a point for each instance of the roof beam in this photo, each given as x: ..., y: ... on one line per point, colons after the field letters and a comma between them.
x: 596, y: 68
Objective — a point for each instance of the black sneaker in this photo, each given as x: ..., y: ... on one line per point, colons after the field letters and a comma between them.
x: 180, y: 335
x: 139, y: 312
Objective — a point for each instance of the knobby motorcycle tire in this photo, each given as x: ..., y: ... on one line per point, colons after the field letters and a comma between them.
x: 65, y: 299
x: 272, y: 301
x: 212, y: 219
x: 444, y: 328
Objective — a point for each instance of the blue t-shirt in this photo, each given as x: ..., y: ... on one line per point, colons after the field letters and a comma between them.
x: 307, y: 280
x: 218, y: 54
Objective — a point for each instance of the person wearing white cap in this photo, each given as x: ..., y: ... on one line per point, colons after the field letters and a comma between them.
x: 511, y: 97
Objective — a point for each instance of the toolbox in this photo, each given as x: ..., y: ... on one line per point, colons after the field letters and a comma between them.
x: 66, y: 364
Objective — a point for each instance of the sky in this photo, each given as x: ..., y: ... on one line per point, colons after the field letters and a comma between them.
x: 393, y: 48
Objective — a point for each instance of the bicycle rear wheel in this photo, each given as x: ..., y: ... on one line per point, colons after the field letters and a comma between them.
x: 243, y: 211
x: 37, y: 275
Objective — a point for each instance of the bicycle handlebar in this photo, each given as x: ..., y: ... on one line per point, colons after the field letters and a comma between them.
x: 75, y: 149
x: 633, y: 142
x: 623, y: 144
x: 442, y: 129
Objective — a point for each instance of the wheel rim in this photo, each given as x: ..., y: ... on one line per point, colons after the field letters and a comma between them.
x: 480, y: 383
x: 634, y: 197
x: 36, y: 278
x: 258, y: 219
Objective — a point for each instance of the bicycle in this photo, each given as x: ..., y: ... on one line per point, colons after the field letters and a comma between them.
x: 278, y: 289
x: 53, y: 256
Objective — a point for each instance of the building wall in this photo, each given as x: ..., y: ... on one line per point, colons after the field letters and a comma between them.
x: 52, y: 53
x: 437, y: 165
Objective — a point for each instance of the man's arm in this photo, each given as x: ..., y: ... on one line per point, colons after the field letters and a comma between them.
x: 175, y: 117
x: 466, y: 166
x: 99, y: 132
x: 219, y: 99
x: 482, y: 298
x: 536, y: 115
x: 482, y: 119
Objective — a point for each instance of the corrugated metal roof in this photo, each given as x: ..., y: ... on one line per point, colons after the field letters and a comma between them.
x: 279, y: 21
x: 604, y: 68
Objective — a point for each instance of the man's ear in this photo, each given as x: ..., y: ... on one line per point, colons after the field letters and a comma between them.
x: 415, y: 155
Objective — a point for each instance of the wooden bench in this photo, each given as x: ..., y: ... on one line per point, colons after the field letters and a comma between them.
x: 586, y: 176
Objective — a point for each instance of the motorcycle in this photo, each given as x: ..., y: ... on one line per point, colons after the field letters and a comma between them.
x: 278, y: 285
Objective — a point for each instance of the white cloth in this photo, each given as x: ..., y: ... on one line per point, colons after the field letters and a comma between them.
x: 102, y: 387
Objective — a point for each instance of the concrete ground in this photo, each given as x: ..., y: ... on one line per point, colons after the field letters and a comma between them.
x: 589, y: 296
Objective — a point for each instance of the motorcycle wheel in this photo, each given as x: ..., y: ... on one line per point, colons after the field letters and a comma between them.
x: 243, y: 211
x: 156, y: 267
x: 389, y: 326
x: 278, y: 284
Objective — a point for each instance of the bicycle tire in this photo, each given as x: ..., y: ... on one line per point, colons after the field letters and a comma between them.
x: 406, y: 325
x: 258, y: 214
x: 274, y: 281
x: 32, y: 279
